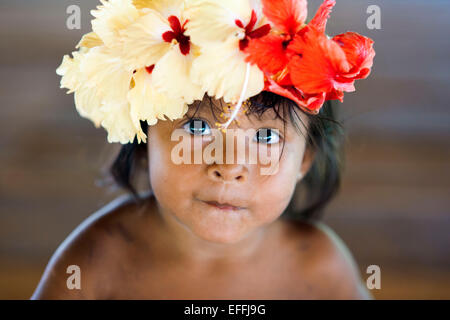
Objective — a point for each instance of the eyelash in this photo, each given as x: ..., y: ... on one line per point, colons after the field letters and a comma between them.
x: 198, y: 119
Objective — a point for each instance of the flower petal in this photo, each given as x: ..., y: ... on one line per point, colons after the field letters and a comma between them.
x: 143, y: 44
x: 257, y: 6
x: 87, y: 99
x: 107, y: 73
x: 287, y: 15
x: 172, y: 76
x: 318, y: 63
x: 359, y: 51
x: 148, y: 104
x: 119, y: 125
x: 335, y: 95
x: 141, y: 4
x: 112, y: 17
x: 214, y: 21
x: 320, y: 19
x: 90, y: 40
x: 70, y: 72
x: 88, y: 103
x: 308, y: 103
x: 167, y: 8
x: 221, y: 71
x: 268, y: 52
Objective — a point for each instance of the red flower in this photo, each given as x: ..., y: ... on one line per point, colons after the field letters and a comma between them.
x: 301, y: 63
x: 287, y: 15
x: 330, y: 66
x: 323, y: 13
x: 310, y: 103
x: 269, y: 53
x: 273, y: 52
x: 319, y: 64
x: 359, y: 52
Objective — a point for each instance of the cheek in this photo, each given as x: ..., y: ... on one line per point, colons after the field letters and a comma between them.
x: 274, y: 192
x: 170, y: 183
x: 174, y: 185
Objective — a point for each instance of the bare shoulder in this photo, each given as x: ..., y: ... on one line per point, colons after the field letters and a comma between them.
x: 327, y: 261
x: 90, y: 250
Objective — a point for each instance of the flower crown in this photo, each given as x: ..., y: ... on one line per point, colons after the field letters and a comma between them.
x: 149, y: 59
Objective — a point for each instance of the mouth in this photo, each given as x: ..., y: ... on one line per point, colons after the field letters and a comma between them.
x: 223, y: 206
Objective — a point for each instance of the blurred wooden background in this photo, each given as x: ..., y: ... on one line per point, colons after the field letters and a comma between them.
x: 393, y: 210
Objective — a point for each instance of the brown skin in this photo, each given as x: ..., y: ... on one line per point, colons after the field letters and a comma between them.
x: 175, y: 246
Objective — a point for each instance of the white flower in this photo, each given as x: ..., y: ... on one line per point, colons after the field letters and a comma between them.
x: 221, y: 69
x: 158, y: 38
x: 222, y: 29
x: 87, y: 101
x: 111, y: 17
x: 148, y: 104
x: 101, y: 84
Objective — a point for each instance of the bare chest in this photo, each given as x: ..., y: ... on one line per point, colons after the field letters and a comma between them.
x: 278, y: 276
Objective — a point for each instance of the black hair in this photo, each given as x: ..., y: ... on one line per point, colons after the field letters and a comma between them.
x: 324, y: 135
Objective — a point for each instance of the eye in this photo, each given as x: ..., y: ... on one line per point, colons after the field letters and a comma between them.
x: 197, y: 127
x: 267, y: 135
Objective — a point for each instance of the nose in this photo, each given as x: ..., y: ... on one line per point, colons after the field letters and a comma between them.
x: 228, y: 173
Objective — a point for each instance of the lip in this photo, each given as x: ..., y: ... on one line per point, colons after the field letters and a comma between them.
x: 222, y: 206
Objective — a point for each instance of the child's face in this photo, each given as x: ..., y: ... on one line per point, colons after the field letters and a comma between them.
x: 182, y: 189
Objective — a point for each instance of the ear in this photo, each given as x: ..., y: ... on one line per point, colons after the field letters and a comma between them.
x: 308, y: 160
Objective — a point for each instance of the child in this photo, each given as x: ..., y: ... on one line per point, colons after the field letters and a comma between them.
x: 213, y: 230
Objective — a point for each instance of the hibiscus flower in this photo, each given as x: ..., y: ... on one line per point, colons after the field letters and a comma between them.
x: 320, y: 64
x: 106, y: 73
x: 110, y: 91
x: 301, y: 63
x: 147, y: 60
x: 158, y: 38
x: 149, y: 104
x: 111, y: 17
x: 223, y: 30
x: 87, y: 102
x: 98, y: 76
